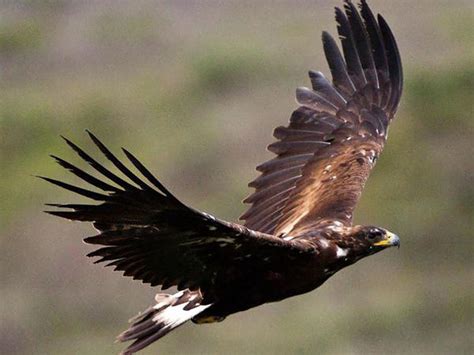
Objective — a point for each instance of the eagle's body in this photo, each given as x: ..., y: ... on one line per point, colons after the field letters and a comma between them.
x: 298, y: 230
x: 241, y: 288
x: 244, y: 288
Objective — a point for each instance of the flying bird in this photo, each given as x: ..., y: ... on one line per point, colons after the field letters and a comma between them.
x: 298, y: 229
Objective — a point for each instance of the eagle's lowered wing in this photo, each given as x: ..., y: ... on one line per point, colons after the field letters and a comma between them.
x: 325, y: 154
x: 150, y: 235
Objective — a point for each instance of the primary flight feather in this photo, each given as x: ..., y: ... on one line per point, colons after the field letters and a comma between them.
x: 298, y: 230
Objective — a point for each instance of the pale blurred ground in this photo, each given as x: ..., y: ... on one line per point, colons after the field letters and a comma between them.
x: 195, y: 89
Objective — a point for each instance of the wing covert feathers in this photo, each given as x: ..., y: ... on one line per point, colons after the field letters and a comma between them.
x: 325, y: 154
x: 151, y: 236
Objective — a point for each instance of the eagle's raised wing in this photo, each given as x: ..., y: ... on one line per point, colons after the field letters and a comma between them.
x: 150, y: 235
x: 326, y: 153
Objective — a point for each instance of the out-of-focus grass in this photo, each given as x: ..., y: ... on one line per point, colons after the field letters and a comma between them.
x: 118, y: 28
x: 223, y: 68
x: 19, y: 36
x: 194, y: 92
x: 443, y: 100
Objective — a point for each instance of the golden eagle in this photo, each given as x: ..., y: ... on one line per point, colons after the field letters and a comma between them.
x: 298, y: 230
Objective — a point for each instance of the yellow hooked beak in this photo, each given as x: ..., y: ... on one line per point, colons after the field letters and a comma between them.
x: 390, y: 240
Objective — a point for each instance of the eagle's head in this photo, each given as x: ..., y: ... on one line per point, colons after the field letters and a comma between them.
x: 377, y: 238
x: 367, y: 240
x: 358, y: 242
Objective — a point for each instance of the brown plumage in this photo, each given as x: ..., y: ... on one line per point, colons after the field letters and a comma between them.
x: 298, y: 230
x: 325, y: 155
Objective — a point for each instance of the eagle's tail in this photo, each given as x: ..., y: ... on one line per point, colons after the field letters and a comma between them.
x: 169, y: 312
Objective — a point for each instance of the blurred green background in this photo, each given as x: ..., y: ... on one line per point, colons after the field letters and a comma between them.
x: 194, y: 89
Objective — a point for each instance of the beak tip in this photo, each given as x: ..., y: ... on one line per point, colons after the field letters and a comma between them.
x: 395, y: 241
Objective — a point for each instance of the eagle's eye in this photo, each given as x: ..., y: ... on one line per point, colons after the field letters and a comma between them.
x: 375, y: 233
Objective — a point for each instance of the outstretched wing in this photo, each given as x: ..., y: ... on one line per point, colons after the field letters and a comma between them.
x: 150, y: 235
x: 325, y: 154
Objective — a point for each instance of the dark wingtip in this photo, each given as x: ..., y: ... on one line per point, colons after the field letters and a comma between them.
x: 87, y: 193
x: 348, y: 5
x: 68, y: 141
x: 56, y: 158
x: 394, y: 60
x: 327, y: 38
x: 44, y: 178
x: 150, y: 177
x: 53, y: 181
x: 88, y: 240
x: 54, y: 205
x: 126, y: 152
x: 381, y: 20
x: 325, y: 35
x: 63, y: 214
x: 71, y: 144
x: 49, y: 212
x: 93, y: 137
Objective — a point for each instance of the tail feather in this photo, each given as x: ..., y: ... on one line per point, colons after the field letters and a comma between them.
x: 170, y: 312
